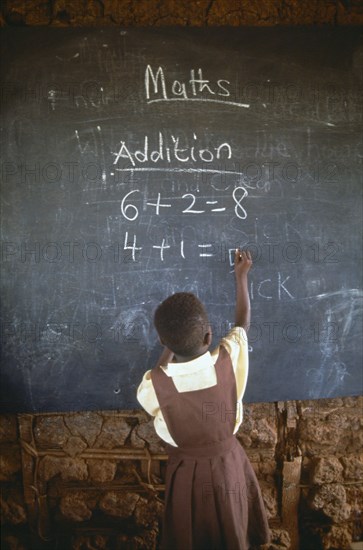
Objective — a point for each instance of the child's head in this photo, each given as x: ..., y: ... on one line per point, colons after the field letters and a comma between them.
x: 182, y: 324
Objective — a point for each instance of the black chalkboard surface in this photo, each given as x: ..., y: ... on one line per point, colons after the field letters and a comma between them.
x: 135, y: 161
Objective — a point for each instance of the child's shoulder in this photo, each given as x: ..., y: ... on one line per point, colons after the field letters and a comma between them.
x: 236, y: 336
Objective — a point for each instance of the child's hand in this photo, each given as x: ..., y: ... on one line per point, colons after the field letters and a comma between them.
x: 166, y: 357
x: 242, y: 262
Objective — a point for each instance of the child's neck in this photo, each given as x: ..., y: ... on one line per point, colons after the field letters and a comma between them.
x: 186, y: 359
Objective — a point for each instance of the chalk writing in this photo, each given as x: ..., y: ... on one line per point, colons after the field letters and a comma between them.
x: 158, y: 88
x: 131, y: 212
x: 175, y: 152
x: 271, y: 288
x: 289, y: 252
x: 133, y: 208
x: 133, y: 247
x: 158, y: 205
x: 196, y: 84
x: 257, y: 175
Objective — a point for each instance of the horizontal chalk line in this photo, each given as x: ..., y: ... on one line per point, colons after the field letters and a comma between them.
x: 205, y: 100
x: 181, y: 170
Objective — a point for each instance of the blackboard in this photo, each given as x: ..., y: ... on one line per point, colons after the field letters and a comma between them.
x: 134, y: 161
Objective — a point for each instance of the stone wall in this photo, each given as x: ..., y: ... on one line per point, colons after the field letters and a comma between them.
x: 177, y: 12
x: 94, y: 480
x: 329, y: 433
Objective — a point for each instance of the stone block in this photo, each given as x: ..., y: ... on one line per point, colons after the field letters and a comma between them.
x: 337, y: 537
x: 319, y: 407
x: 101, y: 470
x: 73, y: 469
x: 170, y: 12
x: 76, y: 12
x: 86, y: 425
x: 136, y: 441
x: 50, y: 431
x: 148, y: 513
x: 8, y: 428
x: 66, y: 6
x: 355, y: 499
x: 145, y: 434
x: 326, y: 470
x: 12, y: 507
x: 74, y: 506
x: 353, y: 467
x: 38, y: 13
x: 10, y: 462
x: 91, y: 542
x: 269, y: 495
x: 115, y: 430
x: 260, y: 410
x: 344, y: 420
x: 118, y: 12
x: 258, y: 432
x: 324, y: 436
x: 354, y: 402
x: 120, y: 505
x: 14, y: 12
x: 145, y: 541
x: 348, y: 14
x: 126, y: 472
x: 74, y: 446
x: 280, y: 540
x: 49, y: 466
x: 68, y: 468
x: 331, y: 499
x: 267, y: 468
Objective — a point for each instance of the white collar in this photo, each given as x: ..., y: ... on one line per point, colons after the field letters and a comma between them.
x: 195, y: 365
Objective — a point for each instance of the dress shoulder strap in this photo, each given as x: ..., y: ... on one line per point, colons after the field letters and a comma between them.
x: 223, y: 366
x: 163, y: 384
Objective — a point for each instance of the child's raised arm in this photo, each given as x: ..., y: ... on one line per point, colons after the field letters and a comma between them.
x: 242, y: 265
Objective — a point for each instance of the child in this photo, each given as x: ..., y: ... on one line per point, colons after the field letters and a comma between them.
x: 212, y: 497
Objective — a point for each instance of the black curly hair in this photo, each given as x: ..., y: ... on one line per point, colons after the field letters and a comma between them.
x: 182, y: 323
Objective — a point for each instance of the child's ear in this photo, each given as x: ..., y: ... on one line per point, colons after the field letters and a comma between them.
x: 208, y: 337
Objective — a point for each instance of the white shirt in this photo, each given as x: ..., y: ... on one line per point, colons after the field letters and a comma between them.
x: 198, y: 374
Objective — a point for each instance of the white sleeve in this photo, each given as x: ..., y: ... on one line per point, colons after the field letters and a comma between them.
x: 236, y: 344
x: 146, y: 395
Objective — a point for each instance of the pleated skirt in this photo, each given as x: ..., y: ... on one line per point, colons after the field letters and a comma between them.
x: 213, y: 500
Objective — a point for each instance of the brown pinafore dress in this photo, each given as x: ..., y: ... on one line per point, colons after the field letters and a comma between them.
x: 212, y: 497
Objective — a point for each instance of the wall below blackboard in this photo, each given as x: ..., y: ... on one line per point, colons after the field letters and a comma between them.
x: 319, y: 441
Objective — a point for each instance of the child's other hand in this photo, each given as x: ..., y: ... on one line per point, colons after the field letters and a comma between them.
x: 242, y: 262
x: 166, y: 357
